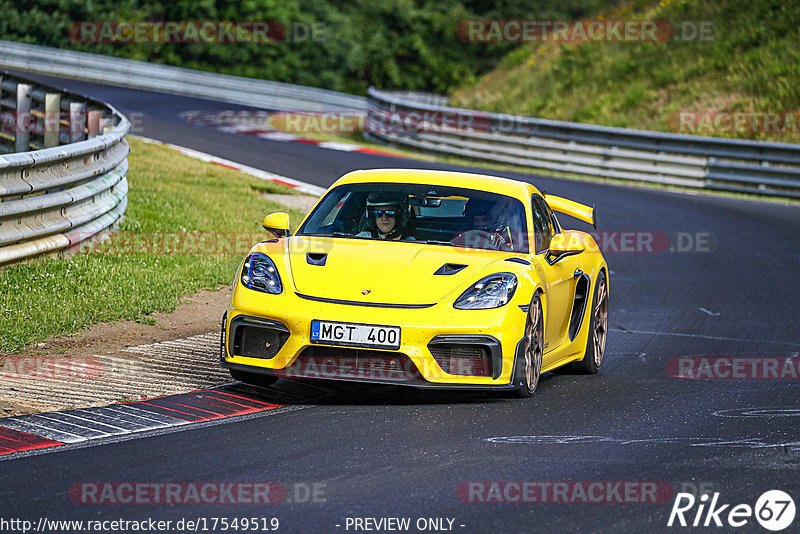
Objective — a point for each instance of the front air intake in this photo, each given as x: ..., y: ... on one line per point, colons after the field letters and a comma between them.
x: 463, y: 360
x: 342, y: 363
x: 257, y: 338
x: 467, y: 355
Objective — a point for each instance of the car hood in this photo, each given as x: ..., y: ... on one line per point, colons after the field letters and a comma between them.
x: 382, y: 272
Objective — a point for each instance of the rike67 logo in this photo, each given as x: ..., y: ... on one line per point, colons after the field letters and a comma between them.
x: 774, y: 510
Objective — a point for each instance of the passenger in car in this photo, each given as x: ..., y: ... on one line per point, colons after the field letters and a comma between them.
x: 486, y: 226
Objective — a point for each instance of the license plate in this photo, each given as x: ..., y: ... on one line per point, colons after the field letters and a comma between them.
x: 355, y: 335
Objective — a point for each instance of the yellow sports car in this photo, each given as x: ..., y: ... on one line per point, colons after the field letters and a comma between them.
x: 421, y: 278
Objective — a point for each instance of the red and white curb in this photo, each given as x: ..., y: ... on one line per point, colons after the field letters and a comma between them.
x: 225, y: 122
x: 297, y: 185
x: 188, y: 364
x: 25, y: 433
x: 53, y: 429
x: 277, y: 135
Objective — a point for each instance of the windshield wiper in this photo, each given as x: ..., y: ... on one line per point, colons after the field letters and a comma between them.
x: 435, y: 242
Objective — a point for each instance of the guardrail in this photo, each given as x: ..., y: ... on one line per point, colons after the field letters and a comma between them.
x: 688, y: 160
x: 176, y: 80
x: 416, y: 120
x: 63, y: 174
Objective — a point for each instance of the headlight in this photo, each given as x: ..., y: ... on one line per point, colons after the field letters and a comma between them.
x: 259, y: 273
x: 492, y: 291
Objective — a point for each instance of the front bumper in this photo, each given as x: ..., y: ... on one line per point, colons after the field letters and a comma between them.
x: 475, y: 348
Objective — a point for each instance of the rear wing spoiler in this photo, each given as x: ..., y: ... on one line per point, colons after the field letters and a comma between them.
x: 575, y: 209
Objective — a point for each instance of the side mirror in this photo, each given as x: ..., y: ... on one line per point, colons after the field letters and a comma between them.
x: 277, y: 224
x: 565, y: 244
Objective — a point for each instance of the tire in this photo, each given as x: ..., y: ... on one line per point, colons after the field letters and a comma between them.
x: 531, y: 365
x: 598, y: 330
x: 254, y: 379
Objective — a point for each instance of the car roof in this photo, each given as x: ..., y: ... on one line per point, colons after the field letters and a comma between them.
x: 481, y: 182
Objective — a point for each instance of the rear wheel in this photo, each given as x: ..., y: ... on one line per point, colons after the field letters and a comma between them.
x: 532, y: 350
x: 254, y: 379
x: 598, y: 328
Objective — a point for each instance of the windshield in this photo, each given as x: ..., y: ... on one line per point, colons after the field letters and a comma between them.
x: 448, y: 216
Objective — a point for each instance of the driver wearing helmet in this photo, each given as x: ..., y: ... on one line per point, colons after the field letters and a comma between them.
x: 484, y: 215
x: 486, y: 226
x: 388, y: 217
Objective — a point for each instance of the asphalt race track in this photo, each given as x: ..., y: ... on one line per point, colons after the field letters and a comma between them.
x: 722, y: 283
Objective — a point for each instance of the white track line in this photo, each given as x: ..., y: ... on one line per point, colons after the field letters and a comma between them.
x: 297, y: 185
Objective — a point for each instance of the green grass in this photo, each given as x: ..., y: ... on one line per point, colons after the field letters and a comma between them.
x: 170, y: 195
x: 751, y: 64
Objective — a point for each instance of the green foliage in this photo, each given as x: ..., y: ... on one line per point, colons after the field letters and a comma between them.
x: 752, y: 63
x: 516, y: 57
x: 406, y: 44
x: 171, y: 196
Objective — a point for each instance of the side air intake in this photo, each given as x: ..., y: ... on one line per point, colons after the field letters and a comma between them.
x: 450, y: 268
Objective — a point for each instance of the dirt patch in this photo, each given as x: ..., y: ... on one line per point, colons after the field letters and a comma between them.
x: 10, y: 407
x: 196, y: 314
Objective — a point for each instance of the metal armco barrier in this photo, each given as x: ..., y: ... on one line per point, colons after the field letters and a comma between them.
x: 424, y: 122
x: 63, y: 168
x: 757, y: 167
x: 176, y: 80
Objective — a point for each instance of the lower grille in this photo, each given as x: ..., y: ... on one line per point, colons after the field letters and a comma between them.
x: 354, y: 364
x: 462, y: 360
x: 258, y: 342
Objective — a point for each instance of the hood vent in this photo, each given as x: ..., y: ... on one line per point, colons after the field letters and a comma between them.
x: 449, y: 268
x: 316, y: 258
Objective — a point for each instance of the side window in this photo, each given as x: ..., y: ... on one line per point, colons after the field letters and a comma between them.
x: 543, y: 228
x: 551, y: 219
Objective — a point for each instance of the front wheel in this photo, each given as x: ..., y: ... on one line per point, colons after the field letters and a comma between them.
x: 598, y: 328
x: 254, y: 379
x: 533, y: 349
